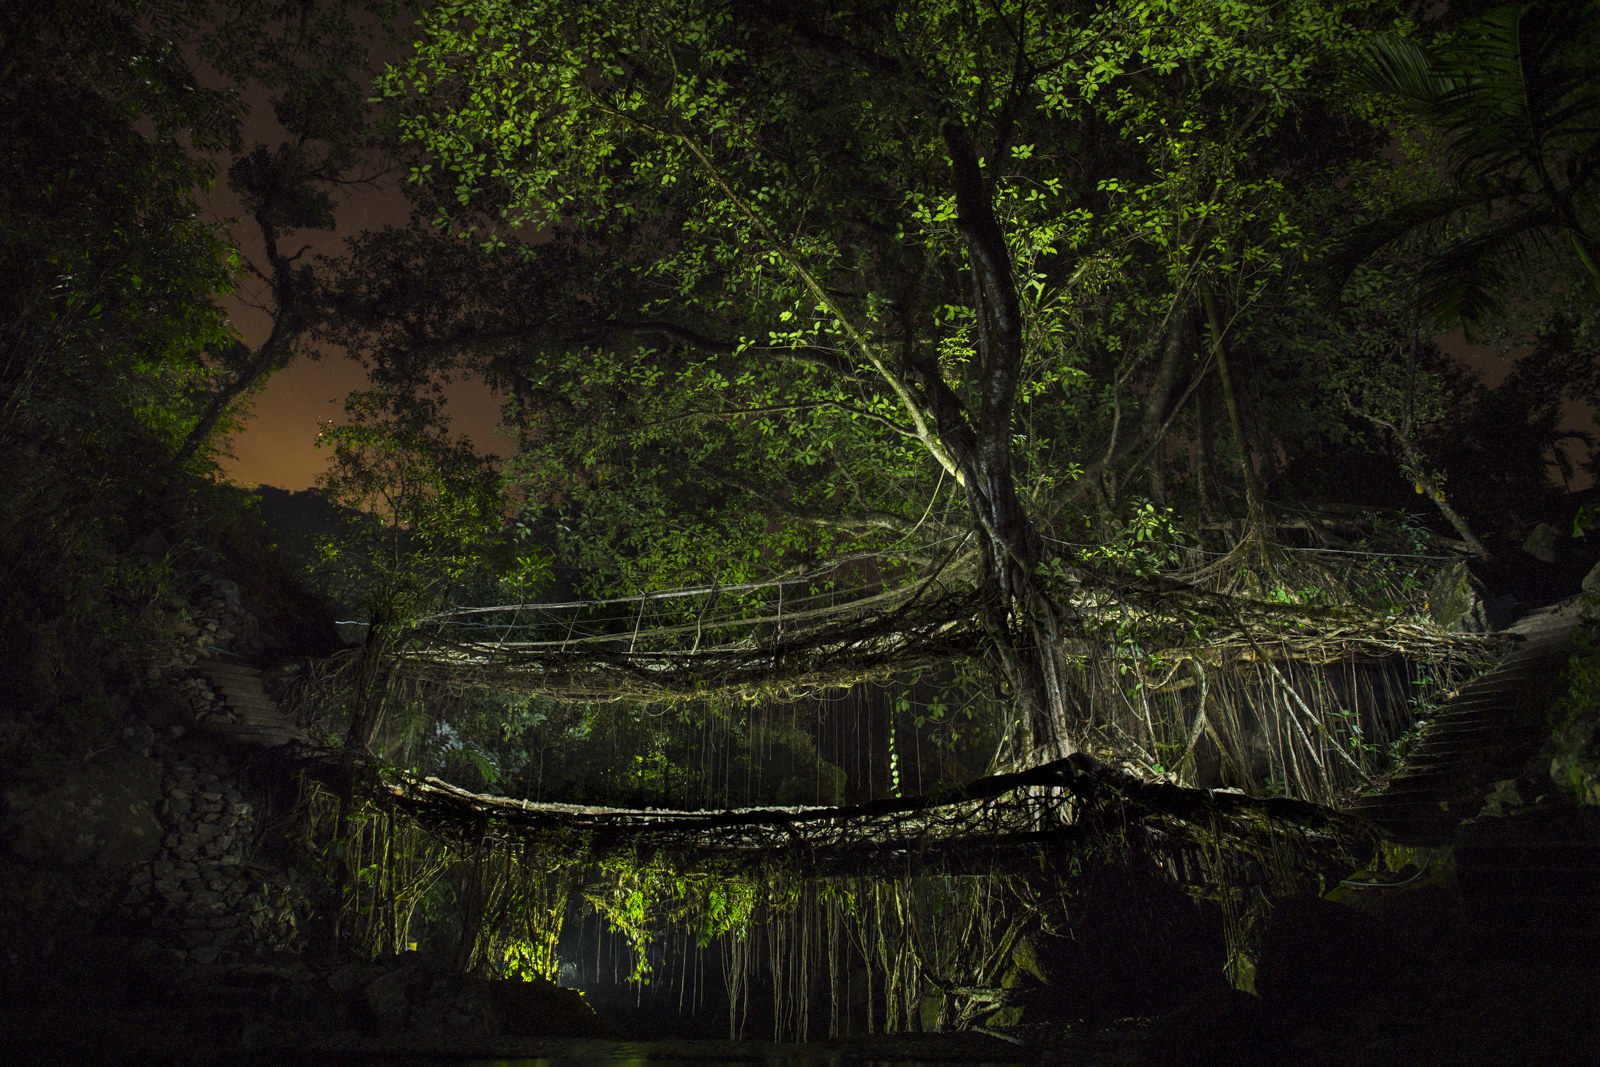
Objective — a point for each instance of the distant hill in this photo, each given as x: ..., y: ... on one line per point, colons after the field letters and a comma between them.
x: 296, y: 520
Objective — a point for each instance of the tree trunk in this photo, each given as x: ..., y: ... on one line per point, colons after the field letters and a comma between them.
x: 287, y: 322
x: 272, y: 353
x: 367, y: 706
x: 1152, y: 418
x: 1422, y: 471
x: 1255, y: 493
x: 1205, y: 469
x: 1021, y: 617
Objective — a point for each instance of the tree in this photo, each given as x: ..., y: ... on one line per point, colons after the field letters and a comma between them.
x: 131, y: 262
x: 425, y: 515
x: 120, y: 373
x: 314, y: 62
x: 1371, y: 361
x: 1515, y: 93
x: 109, y: 300
x: 111, y: 277
x: 926, y: 240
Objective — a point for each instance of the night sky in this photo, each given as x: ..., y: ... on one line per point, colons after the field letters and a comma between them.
x: 277, y: 445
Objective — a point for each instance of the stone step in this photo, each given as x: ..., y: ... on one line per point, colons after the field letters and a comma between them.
x: 247, y: 689
x: 257, y: 736
x: 1490, y: 716
x: 1465, y: 735
x: 220, y: 670
x: 1456, y: 755
x: 256, y: 718
x: 1509, y: 684
x: 265, y: 722
x: 1479, y: 736
x: 1418, y: 834
x: 240, y: 682
x: 1435, y: 778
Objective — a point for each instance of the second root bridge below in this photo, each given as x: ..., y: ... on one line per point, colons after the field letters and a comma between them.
x: 989, y: 824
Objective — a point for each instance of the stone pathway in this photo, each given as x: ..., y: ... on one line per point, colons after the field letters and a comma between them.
x: 1483, y: 735
x: 1528, y: 868
x: 253, y: 718
x: 200, y: 897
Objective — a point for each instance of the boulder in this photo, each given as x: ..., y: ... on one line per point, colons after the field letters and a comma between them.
x: 540, y: 1008
x: 99, y: 813
x: 1455, y: 601
x: 1139, y: 947
x: 1218, y: 1027
x: 1320, y: 959
x: 1591, y: 581
x: 1544, y: 543
x: 413, y: 995
x: 163, y: 707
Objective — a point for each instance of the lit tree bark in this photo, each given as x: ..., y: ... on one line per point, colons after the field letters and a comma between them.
x: 1422, y: 471
x: 1011, y: 547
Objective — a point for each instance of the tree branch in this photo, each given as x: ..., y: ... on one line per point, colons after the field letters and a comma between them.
x: 929, y: 439
x: 1420, y: 469
x: 870, y: 517
x: 287, y: 324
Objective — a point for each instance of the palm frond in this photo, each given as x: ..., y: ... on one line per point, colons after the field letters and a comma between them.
x: 1413, y: 217
x: 1463, y: 282
x: 1398, y: 67
x: 1516, y: 93
x: 1528, y: 80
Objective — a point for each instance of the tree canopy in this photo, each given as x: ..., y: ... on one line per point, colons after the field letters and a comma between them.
x: 813, y: 277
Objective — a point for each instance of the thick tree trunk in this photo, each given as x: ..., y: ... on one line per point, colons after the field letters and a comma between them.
x: 367, y: 707
x: 975, y: 446
x: 1205, y: 469
x: 1023, y: 620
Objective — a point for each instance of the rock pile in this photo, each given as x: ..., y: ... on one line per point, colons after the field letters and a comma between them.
x: 206, y: 703
x: 398, y: 1002
x: 201, y: 896
x: 217, y: 620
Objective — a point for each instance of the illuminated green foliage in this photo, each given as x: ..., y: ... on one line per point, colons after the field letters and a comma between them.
x: 641, y: 899
x: 770, y: 243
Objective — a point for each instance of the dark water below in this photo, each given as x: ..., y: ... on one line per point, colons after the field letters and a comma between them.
x: 970, y: 1049
x: 898, y: 1050
x: 777, y: 1061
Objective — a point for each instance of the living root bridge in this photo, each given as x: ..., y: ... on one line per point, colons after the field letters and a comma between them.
x: 835, y: 646
x: 792, y: 635
x: 992, y: 824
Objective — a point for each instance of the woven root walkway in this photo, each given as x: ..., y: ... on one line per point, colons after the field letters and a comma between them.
x: 988, y: 825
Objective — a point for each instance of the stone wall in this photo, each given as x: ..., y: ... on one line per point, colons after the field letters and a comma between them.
x: 203, y: 895
x: 155, y: 877
x: 157, y: 834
